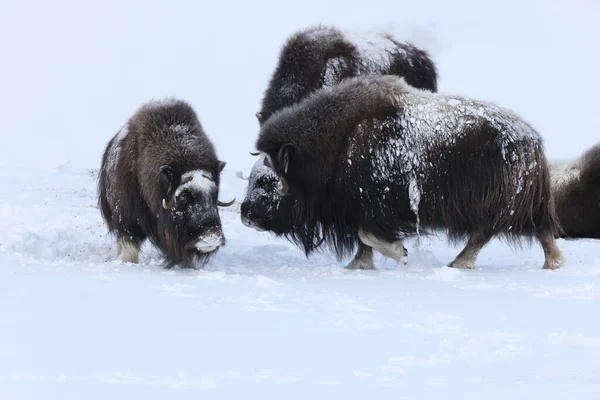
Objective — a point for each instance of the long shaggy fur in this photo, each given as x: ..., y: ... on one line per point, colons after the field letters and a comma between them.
x: 374, y: 153
x: 323, y: 56
x: 311, y: 59
x: 576, y: 188
x: 132, y: 189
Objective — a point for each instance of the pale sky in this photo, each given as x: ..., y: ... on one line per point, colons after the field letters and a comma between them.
x: 72, y: 72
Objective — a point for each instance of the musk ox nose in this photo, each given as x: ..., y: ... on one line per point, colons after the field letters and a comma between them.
x: 209, y: 242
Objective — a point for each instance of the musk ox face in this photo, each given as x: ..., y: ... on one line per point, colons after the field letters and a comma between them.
x: 194, y: 232
x: 263, y: 196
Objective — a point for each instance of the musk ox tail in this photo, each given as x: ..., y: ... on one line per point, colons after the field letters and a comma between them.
x: 589, y: 165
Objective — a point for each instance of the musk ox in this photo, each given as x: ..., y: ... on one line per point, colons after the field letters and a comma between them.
x: 321, y: 56
x: 576, y: 188
x: 159, y: 180
x: 311, y: 59
x: 375, y: 160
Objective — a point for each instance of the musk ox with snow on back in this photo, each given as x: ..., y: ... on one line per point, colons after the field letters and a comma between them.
x: 576, y: 188
x: 322, y: 56
x: 309, y: 60
x: 159, y: 180
x: 375, y: 160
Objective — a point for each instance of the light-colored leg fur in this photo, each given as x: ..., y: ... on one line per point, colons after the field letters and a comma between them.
x: 394, y: 250
x: 552, y: 255
x: 363, y: 258
x: 466, y: 258
x: 127, y: 250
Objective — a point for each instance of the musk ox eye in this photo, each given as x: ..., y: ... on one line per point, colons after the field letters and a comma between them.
x: 184, y: 199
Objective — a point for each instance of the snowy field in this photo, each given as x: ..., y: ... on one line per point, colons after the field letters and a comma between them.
x: 261, y: 319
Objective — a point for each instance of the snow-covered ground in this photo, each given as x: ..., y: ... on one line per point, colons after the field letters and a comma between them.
x: 261, y: 319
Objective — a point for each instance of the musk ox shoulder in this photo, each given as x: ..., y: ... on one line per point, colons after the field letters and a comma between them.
x: 375, y: 160
x: 322, y: 56
x: 159, y: 180
x: 576, y: 188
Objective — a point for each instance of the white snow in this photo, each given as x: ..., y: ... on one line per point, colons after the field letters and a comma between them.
x: 374, y: 49
x: 76, y: 322
x: 563, y: 172
x: 262, y: 320
x: 200, y: 180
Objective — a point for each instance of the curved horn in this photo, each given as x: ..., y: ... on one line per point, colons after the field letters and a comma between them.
x: 255, y: 154
x: 284, y: 188
x: 221, y: 204
x: 167, y: 206
x: 186, y: 180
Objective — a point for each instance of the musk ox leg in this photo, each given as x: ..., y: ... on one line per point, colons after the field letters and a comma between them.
x: 394, y: 250
x: 553, y: 256
x: 466, y: 258
x: 128, y: 249
x: 363, y: 258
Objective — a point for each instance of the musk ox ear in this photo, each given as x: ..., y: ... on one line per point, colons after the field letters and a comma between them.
x: 284, y: 156
x: 222, y: 165
x: 167, y: 181
x: 259, y: 116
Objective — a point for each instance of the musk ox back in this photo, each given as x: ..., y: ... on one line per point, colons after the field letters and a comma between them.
x: 576, y: 188
x: 374, y: 160
x: 159, y: 179
x: 324, y: 56
x: 311, y: 59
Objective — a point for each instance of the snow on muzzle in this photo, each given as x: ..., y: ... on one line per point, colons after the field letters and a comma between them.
x: 210, y: 242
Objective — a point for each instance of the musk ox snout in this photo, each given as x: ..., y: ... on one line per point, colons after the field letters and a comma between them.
x: 262, y: 196
x: 210, y: 241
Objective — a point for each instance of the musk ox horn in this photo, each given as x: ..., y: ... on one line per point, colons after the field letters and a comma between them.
x: 284, y: 188
x: 169, y: 205
x: 221, y: 204
x: 187, y: 179
x: 255, y: 154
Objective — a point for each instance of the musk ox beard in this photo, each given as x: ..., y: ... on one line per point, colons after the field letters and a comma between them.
x: 309, y: 60
x: 159, y: 180
x: 576, y: 189
x: 373, y: 161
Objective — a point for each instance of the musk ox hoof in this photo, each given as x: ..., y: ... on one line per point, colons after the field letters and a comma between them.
x: 553, y: 264
x: 462, y: 264
x: 127, y: 251
x: 360, y: 264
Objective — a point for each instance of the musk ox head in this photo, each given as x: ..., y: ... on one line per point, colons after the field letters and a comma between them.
x: 191, y: 230
x: 263, y: 196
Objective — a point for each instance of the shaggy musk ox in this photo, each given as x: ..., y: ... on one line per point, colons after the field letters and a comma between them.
x: 375, y: 160
x: 324, y: 56
x: 311, y: 59
x: 159, y: 180
x: 576, y: 188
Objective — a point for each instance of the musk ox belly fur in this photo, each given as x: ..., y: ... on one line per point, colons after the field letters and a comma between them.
x: 159, y: 180
x: 576, y: 189
x: 376, y: 155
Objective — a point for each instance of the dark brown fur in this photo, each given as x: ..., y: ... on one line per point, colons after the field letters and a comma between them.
x: 577, y: 195
x: 303, y: 66
x: 144, y: 164
x: 352, y: 154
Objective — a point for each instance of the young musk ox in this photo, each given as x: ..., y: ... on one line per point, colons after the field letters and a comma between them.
x: 576, y: 188
x: 159, y: 180
x: 375, y: 160
x: 312, y: 59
